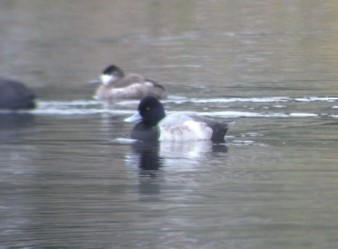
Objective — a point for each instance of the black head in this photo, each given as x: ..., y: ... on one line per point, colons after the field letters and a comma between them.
x: 151, y: 110
x: 113, y: 70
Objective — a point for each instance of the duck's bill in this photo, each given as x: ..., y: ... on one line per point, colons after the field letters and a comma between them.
x: 134, y: 118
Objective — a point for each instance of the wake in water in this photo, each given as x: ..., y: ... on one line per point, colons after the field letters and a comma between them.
x: 241, y: 105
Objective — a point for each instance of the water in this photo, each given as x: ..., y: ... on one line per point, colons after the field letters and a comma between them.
x: 69, y: 176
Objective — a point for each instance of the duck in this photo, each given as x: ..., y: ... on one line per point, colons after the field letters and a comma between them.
x: 15, y: 95
x: 115, y: 84
x: 154, y: 125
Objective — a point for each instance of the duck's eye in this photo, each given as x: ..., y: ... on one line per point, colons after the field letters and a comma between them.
x: 148, y: 108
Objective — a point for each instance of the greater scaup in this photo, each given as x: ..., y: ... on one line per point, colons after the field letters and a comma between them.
x: 154, y: 124
x: 116, y: 85
x: 14, y: 95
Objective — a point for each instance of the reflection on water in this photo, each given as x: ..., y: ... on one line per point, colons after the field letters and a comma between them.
x: 270, y: 68
x: 172, y: 154
x: 15, y: 126
x: 15, y: 121
x: 147, y: 154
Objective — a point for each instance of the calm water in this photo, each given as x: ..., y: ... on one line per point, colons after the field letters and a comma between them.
x: 69, y: 178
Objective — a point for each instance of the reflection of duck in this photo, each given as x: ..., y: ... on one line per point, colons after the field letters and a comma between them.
x: 11, y: 122
x: 191, y: 150
x: 155, y: 125
x: 148, y: 155
x: 14, y: 95
x: 188, y: 156
x: 153, y: 156
x: 116, y: 85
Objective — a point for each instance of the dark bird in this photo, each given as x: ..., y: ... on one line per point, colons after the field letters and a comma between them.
x: 14, y: 95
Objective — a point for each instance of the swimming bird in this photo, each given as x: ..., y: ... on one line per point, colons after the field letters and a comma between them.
x: 115, y: 84
x: 14, y: 95
x: 153, y: 124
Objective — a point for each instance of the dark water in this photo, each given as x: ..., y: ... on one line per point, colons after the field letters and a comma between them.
x: 69, y: 178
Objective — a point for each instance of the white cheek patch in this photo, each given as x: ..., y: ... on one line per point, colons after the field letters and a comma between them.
x: 106, y: 79
x: 149, y: 84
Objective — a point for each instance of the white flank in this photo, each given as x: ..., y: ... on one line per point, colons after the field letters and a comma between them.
x: 184, y: 129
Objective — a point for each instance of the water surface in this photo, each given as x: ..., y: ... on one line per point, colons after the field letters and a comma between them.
x: 69, y: 176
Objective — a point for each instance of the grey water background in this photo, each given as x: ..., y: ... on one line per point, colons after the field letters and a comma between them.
x: 70, y: 179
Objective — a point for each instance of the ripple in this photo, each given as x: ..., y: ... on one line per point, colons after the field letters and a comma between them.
x: 237, y: 114
x: 242, y: 142
x: 123, y: 141
x: 229, y: 100
x: 276, y: 99
x: 74, y: 111
x: 316, y: 99
x: 303, y: 115
x: 127, y: 107
x: 83, y: 103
